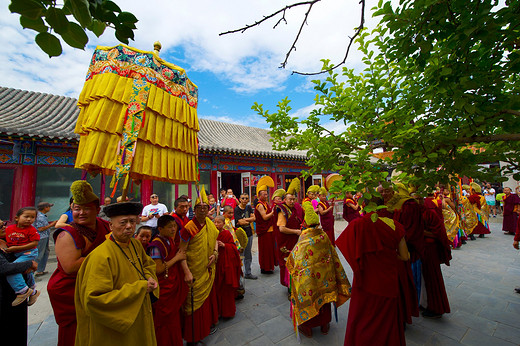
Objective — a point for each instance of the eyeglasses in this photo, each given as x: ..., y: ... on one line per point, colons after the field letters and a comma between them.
x: 154, y: 196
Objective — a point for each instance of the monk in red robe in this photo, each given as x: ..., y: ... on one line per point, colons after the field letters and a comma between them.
x: 181, y: 207
x: 374, y: 250
x: 480, y: 208
x: 173, y: 290
x: 72, y: 244
x: 437, y: 251
x: 350, y: 208
x: 264, y: 229
x: 326, y: 212
x: 290, y: 218
x: 199, y: 240
x: 511, y: 209
x: 227, y: 279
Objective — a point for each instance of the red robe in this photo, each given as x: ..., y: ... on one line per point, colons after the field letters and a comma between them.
x: 410, y: 216
x: 510, y: 218
x: 61, y: 285
x: 294, y: 219
x: 371, y: 250
x: 173, y: 293
x: 437, y: 251
x: 266, y: 238
x: 227, y: 279
x: 350, y: 214
x: 181, y: 221
x: 327, y: 222
x: 480, y: 228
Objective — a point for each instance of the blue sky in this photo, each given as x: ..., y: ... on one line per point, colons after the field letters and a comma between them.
x: 232, y: 71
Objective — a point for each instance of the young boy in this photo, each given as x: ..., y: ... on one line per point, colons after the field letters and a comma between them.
x: 22, y: 240
x: 227, y: 278
x: 144, y: 234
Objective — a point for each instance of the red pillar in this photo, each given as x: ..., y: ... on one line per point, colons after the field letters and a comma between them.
x: 213, y: 184
x: 24, y: 189
x: 146, y: 191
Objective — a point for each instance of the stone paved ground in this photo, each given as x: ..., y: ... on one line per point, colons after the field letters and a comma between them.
x: 480, y: 282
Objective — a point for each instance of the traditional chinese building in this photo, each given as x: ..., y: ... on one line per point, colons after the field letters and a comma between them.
x: 38, y: 149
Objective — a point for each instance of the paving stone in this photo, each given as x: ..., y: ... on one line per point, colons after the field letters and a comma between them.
x: 417, y: 333
x: 261, y: 313
x: 440, y: 340
x: 505, y: 317
x: 293, y: 341
x: 261, y: 341
x: 444, y: 326
x: 276, y: 329
x: 241, y: 332
x: 487, y: 300
x: 474, y: 338
x: 508, y: 333
x: 476, y: 322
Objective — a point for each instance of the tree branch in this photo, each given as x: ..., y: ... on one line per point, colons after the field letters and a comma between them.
x: 284, y: 63
x: 488, y: 139
x: 249, y: 26
x: 358, y: 30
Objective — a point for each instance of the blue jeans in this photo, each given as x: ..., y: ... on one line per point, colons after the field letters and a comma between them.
x: 17, y: 281
x: 417, y: 272
x: 248, y: 256
x: 43, y: 254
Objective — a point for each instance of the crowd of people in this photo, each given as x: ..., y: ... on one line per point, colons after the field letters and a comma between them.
x: 135, y: 274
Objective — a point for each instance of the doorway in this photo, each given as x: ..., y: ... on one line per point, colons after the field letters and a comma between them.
x: 232, y: 181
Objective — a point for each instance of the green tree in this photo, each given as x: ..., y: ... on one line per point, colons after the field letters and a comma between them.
x: 441, y: 90
x: 70, y: 21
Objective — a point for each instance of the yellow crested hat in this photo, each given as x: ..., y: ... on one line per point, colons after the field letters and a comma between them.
x: 82, y: 192
x: 202, y: 197
x: 476, y: 187
x: 313, y: 189
x: 294, y: 186
x: 311, y: 218
x: 466, y: 187
x: 263, y: 183
x: 278, y: 193
x: 323, y: 191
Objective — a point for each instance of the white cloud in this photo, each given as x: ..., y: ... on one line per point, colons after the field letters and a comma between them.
x: 248, y: 61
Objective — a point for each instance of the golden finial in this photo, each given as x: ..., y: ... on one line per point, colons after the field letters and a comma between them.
x: 157, y: 47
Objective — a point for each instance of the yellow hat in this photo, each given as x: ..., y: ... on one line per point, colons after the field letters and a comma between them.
x: 466, y: 187
x: 263, y: 183
x: 402, y: 189
x: 313, y: 189
x: 260, y: 188
x: 476, y: 187
x: 294, y: 186
x: 202, y: 198
x: 311, y: 218
x: 82, y: 192
x: 323, y: 191
x: 278, y: 193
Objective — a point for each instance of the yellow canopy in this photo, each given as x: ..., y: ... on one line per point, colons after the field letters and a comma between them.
x: 138, y: 117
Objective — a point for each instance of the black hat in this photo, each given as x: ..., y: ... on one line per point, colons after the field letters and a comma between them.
x: 126, y: 208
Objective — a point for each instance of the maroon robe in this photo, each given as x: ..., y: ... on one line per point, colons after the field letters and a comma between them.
x: 294, y: 218
x: 181, y: 221
x: 517, y: 234
x: 266, y: 238
x: 173, y: 293
x: 349, y: 213
x: 327, y: 222
x: 510, y: 218
x: 480, y: 228
x: 437, y: 251
x: 61, y: 285
x: 227, y: 276
x: 374, y: 316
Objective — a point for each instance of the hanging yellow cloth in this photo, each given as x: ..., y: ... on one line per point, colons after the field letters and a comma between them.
x: 138, y: 115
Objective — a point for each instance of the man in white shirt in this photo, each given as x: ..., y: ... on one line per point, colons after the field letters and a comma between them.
x: 489, y: 195
x: 153, y: 211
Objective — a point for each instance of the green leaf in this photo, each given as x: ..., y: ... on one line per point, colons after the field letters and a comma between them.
x: 97, y: 27
x: 75, y: 36
x: 49, y: 43
x: 127, y: 17
x: 374, y: 217
x: 28, y: 8
x: 81, y: 12
x: 56, y: 18
x: 34, y: 24
x: 112, y: 6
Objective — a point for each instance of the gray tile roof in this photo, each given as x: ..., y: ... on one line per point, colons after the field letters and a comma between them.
x: 39, y: 115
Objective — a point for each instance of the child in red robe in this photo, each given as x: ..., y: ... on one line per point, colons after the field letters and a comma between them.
x: 227, y: 277
x: 173, y: 290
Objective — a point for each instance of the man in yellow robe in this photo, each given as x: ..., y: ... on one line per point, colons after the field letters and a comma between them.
x: 115, y: 286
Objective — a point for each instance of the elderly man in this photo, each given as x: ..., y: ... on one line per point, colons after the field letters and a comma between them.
x: 73, y: 243
x: 43, y: 226
x: 264, y: 229
x: 116, y: 285
x: 199, y: 240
